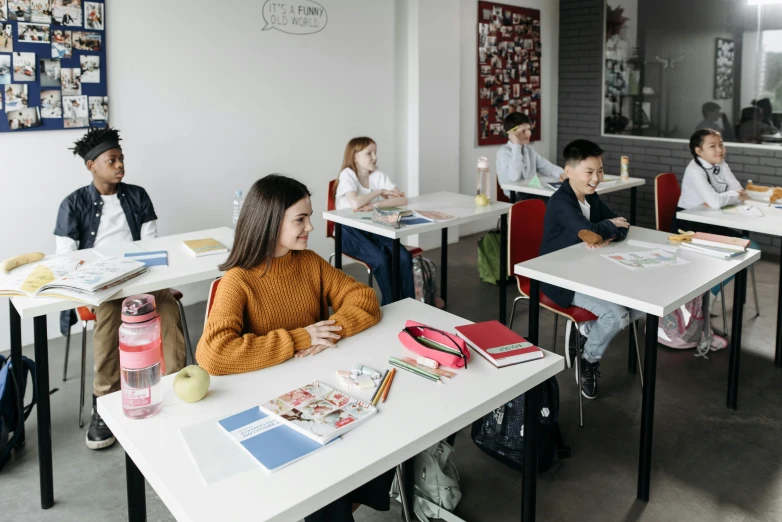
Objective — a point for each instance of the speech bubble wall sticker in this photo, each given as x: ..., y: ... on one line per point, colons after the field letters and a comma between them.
x: 294, y: 16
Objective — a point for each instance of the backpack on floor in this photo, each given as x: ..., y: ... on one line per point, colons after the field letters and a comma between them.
x: 437, y: 491
x: 425, y: 280
x: 684, y: 327
x: 500, y: 434
x: 13, y: 413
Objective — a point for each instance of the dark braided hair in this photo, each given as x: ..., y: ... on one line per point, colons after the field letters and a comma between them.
x: 93, y: 138
x: 696, y: 142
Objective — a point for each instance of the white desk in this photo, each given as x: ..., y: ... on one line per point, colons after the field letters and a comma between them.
x: 610, y: 184
x: 458, y: 205
x: 417, y: 414
x: 770, y: 223
x: 657, y: 292
x: 181, y: 269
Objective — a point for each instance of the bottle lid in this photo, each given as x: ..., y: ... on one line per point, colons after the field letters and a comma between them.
x: 238, y: 193
x: 625, y: 160
x: 483, y: 162
x: 138, y: 308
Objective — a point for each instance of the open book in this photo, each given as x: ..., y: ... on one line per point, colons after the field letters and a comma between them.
x: 319, y: 411
x: 69, y: 277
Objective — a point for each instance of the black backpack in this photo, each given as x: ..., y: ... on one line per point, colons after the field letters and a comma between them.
x: 499, y: 434
x: 13, y: 413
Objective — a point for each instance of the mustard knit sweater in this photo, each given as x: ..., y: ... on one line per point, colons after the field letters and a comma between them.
x: 257, y: 320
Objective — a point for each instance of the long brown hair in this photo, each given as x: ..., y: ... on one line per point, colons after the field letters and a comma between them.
x: 349, y: 159
x: 258, y: 228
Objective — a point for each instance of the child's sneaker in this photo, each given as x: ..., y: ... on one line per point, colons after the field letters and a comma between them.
x: 589, y: 375
x: 99, y: 435
x: 717, y: 342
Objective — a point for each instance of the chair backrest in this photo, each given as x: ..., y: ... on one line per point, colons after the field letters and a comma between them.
x: 500, y: 194
x: 211, y: 298
x: 331, y: 204
x: 666, y: 199
x: 525, y: 232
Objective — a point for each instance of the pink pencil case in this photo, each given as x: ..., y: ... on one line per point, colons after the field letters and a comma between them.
x: 435, y: 344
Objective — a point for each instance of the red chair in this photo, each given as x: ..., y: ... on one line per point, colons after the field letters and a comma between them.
x: 666, y: 200
x: 332, y: 205
x: 525, y: 235
x: 85, y: 316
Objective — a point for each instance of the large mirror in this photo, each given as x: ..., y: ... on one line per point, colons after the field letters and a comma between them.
x: 675, y: 66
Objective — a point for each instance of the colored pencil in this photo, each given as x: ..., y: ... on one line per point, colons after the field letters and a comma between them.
x: 390, y: 381
x: 379, y: 387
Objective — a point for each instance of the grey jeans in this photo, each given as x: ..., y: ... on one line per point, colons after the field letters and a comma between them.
x: 611, y: 319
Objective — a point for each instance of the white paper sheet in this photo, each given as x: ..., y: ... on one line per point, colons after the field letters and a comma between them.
x: 646, y: 259
x: 213, y: 452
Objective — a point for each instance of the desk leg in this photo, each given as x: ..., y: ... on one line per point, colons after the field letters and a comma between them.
x: 395, y: 283
x: 632, y: 359
x: 778, y: 357
x: 633, y: 198
x: 529, y: 482
x: 512, y: 197
x: 504, y: 267
x: 444, y: 266
x: 739, y: 289
x: 534, y: 311
x: 647, y: 411
x: 338, y: 246
x: 137, y: 499
x: 16, y: 352
x: 43, y: 413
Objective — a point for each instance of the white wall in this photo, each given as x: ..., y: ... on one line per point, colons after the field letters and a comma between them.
x: 208, y: 103
x: 468, y: 149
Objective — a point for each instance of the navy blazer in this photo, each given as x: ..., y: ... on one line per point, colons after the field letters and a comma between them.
x: 562, y: 223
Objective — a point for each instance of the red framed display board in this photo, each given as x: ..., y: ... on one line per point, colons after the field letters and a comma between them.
x: 508, y: 68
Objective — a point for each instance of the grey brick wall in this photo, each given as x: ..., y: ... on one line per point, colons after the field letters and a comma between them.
x: 580, y: 101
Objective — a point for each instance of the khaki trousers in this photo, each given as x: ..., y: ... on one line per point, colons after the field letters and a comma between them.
x: 105, y: 340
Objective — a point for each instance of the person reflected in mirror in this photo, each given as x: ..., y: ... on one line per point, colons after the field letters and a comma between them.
x: 714, y: 118
x: 752, y: 127
x: 764, y: 104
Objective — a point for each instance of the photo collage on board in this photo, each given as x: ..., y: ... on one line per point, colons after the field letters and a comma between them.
x: 52, y: 65
x: 509, y: 54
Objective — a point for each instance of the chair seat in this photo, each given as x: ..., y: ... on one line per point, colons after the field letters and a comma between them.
x: 574, y: 313
x: 85, y: 314
x: 415, y: 251
x: 176, y: 294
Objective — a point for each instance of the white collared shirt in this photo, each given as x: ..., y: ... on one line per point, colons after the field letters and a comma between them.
x: 716, y: 191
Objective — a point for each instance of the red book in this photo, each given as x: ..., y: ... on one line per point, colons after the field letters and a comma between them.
x: 498, y: 343
x: 714, y: 240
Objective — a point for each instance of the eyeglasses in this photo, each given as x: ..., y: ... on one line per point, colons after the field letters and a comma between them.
x: 434, y: 345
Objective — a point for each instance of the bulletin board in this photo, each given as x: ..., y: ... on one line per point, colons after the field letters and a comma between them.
x: 52, y: 65
x: 508, y: 68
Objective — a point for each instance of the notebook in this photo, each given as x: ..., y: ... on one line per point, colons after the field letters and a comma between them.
x: 157, y: 258
x: 71, y: 278
x: 555, y: 185
x: 722, y: 253
x: 319, y: 411
x: 271, y: 442
x: 420, y: 217
x: 736, y: 244
x: 204, y: 247
x: 500, y: 345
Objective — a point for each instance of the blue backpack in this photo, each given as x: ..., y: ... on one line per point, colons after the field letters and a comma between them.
x: 13, y: 413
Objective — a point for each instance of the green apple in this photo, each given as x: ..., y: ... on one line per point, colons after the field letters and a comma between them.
x: 191, y: 383
x: 481, y: 200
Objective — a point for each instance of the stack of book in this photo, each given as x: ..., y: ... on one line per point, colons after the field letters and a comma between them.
x: 715, y: 245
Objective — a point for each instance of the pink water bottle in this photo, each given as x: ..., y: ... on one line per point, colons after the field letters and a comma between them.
x: 140, y: 357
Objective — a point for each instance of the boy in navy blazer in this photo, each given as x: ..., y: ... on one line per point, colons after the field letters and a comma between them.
x: 575, y: 207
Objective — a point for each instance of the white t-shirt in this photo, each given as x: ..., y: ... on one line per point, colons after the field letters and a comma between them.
x: 585, y: 208
x: 348, y: 182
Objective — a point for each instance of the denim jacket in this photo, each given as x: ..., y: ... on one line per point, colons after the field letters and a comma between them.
x: 79, y: 216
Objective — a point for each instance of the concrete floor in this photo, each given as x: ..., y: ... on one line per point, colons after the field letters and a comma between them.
x: 709, y: 463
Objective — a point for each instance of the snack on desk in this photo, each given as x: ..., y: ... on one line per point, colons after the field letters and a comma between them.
x: 680, y: 238
x: 776, y: 195
x: 756, y: 188
x: 589, y: 237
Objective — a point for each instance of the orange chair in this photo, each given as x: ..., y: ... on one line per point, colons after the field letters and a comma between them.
x: 666, y: 199
x: 332, y: 205
x: 525, y: 235
x: 85, y: 316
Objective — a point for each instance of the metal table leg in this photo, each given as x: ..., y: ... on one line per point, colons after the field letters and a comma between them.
x: 137, y: 500
x: 647, y: 412
x: 338, y: 246
x: 395, y: 272
x: 739, y: 291
x: 43, y: 412
x: 444, y: 266
x: 504, y: 268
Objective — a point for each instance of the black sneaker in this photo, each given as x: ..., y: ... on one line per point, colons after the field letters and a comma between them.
x: 99, y: 435
x: 589, y: 374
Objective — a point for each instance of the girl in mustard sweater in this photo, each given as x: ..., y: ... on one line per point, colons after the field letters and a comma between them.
x: 273, y: 301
